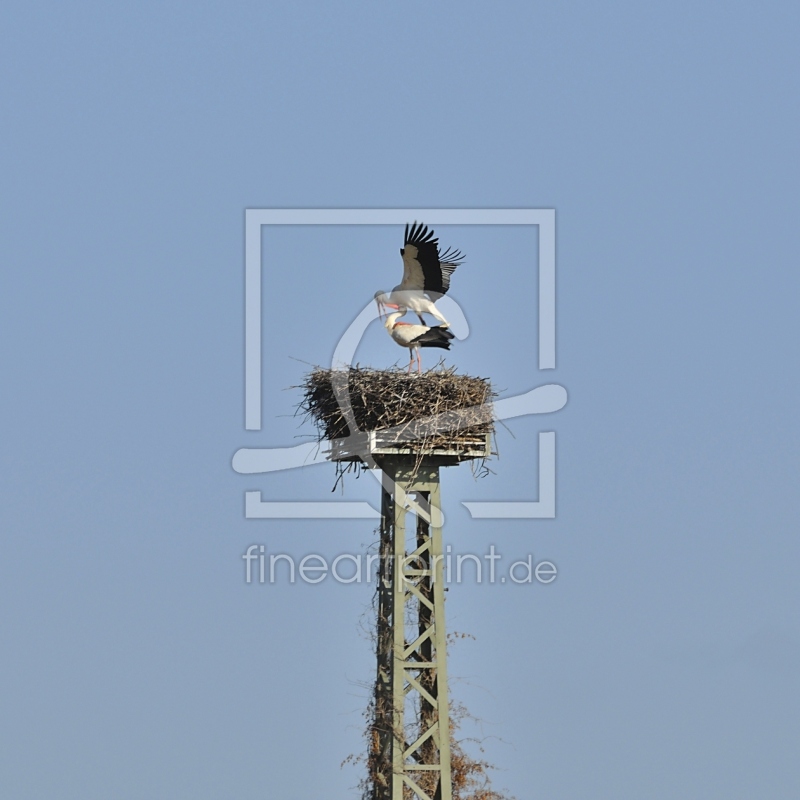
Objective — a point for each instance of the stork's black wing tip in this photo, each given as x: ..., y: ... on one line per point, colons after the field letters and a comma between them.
x: 452, y: 257
x: 419, y: 234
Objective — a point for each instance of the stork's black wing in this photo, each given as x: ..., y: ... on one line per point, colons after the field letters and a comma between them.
x: 434, y: 337
x: 423, y: 267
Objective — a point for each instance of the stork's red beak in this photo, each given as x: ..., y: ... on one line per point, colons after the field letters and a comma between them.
x: 383, y: 306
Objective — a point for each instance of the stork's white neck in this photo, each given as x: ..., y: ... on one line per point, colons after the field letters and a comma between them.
x: 391, y: 320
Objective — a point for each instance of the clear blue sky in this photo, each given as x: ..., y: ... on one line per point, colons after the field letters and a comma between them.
x: 664, y: 661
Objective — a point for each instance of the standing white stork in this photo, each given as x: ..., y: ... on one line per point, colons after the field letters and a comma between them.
x: 426, y: 274
x: 415, y: 336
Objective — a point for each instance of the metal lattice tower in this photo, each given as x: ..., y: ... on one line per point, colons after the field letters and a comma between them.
x: 410, y: 751
x: 412, y: 715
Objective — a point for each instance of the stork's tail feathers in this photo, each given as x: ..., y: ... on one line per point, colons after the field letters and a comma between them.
x: 435, y: 337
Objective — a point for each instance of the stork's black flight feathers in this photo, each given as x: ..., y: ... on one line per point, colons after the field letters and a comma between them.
x: 424, y: 268
x: 434, y: 337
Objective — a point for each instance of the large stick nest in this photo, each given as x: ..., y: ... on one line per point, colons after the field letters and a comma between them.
x: 434, y: 409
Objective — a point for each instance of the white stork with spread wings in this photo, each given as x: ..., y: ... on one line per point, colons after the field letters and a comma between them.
x: 426, y: 274
x: 416, y: 336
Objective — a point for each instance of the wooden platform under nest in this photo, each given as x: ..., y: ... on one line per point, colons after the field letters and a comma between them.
x: 382, y: 413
